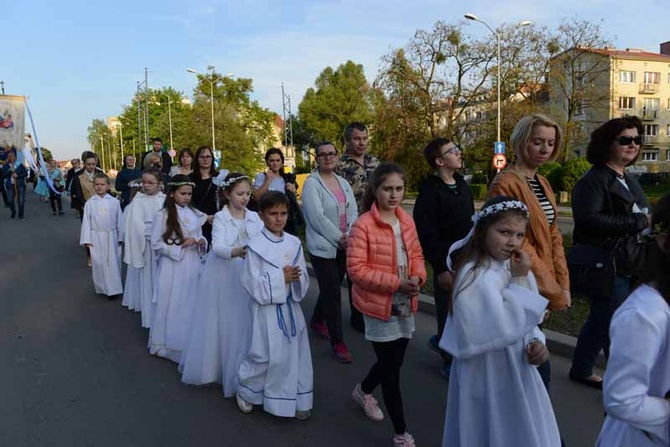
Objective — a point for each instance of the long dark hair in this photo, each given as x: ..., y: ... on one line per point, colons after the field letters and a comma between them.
x: 475, y: 250
x: 378, y: 177
x: 657, y: 264
x: 196, y: 163
x: 599, y: 151
x: 172, y: 227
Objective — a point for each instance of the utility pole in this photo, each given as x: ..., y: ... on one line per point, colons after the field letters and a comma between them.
x: 2, y: 86
x: 288, y: 121
x: 146, y: 108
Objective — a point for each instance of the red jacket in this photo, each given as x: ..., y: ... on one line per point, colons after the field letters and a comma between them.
x: 372, y: 262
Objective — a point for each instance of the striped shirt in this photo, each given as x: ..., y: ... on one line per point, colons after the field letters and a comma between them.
x: 542, y: 198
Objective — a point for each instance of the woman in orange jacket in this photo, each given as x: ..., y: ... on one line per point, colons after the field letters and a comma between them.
x: 386, y: 266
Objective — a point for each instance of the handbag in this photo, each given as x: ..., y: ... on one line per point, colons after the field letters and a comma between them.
x: 630, y: 253
x: 592, y: 270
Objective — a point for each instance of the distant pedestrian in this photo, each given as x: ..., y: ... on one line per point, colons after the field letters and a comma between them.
x: 386, y: 266
x: 101, y: 233
x: 42, y: 188
x: 496, y: 396
x: 56, y: 176
x: 185, y: 163
x: 356, y: 167
x: 15, y: 174
x: 157, y: 149
x: 127, y: 174
x: 443, y: 214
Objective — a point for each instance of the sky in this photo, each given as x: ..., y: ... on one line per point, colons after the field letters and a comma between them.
x: 77, y: 60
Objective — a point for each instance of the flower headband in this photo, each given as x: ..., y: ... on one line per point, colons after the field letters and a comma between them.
x: 222, y: 182
x: 479, y: 215
x: 179, y: 184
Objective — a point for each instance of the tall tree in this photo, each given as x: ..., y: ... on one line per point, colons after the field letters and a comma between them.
x: 338, y: 98
x: 99, y: 136
x: 578, y: 78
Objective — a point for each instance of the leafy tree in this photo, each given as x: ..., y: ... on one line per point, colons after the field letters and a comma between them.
x: 338, y: 98
x: 573, y: 170
x: 99, y: 137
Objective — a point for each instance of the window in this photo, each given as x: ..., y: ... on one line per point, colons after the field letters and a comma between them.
x: 667, y: 155
x: 668, y: 78
x: 652, y: 103
x: 627, y: 77
x: 667, y: 130
x: 651, y: 130
x: 650, y: 155
x: 626, y: 102
x: 652, y: 77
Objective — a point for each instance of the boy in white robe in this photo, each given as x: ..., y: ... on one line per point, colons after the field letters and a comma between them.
x: 101, y: 232
x: 277, y: 372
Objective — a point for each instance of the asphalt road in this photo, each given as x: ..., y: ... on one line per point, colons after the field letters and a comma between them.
x: 76, y: 371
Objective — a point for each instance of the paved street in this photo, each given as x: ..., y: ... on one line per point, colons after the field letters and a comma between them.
x: 76, y: 371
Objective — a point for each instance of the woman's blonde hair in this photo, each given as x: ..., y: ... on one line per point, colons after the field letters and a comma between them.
x: 152, y: 158
x: 523, y: 133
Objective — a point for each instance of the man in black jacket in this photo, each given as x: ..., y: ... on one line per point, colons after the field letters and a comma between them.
x: 443, y: 215
x: 157, y: 147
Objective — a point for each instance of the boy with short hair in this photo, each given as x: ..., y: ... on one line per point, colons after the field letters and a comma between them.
x: 100, y: 233
x: 277, y: 371
x: 443, y: 215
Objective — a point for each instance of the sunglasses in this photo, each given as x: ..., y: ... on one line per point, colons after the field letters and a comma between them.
x: 626, y: 141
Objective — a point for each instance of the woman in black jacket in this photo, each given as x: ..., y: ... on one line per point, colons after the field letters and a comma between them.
x: 127, y: 174
x: 607, y: 204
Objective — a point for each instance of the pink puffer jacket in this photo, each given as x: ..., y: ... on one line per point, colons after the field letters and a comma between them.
x: 372, y: 262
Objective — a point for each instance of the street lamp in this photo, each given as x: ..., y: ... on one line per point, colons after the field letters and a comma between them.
x: 474, y: 18
x: 211, y: 81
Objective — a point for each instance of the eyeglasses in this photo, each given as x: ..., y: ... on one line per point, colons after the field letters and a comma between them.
x: 204, y: 157
x: 327, y: 155
x: 456, y: 150
x: 627, y: 140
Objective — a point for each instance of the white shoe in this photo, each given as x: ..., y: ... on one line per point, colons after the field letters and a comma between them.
x: 244, y: 406
x: 368, y: 403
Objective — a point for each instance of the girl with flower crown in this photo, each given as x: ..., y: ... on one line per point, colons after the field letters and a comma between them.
x: 220, y: 328
x: 496, y: 396
x: 177, y: 239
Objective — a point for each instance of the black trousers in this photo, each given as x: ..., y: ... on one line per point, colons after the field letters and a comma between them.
x: 329, y: 274
x: 56, y: 201
x: 386, y: 372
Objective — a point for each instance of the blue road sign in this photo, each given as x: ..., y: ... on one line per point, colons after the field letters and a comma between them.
x: 499, y: 147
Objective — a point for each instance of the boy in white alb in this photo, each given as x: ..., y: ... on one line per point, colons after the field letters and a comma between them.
x: 100, y: 232
x: 277, y: 371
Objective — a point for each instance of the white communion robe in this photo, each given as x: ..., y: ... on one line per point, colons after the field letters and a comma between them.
x: 496, y: 398
x: 638, y: 373
x: 277, y: 371
x: 101, y: 227
x: 176, y: 283
x: 220, y: 331
x: 138, y: 255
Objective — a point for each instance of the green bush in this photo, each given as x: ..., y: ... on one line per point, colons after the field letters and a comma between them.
x: 572, y: 171
x: 553, y: 171
x: 479, y: 178
x: 478, y: 191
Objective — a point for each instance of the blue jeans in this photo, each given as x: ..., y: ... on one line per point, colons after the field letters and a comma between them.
x: 14, y: 191
x: 594, y: 335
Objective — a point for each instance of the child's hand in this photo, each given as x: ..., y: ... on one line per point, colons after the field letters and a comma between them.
x: 239, y: 252
x: 537, y: 353
x: 409, y: 287
x: 202, y: 243
x: 519, y: 263
x: 291, y: 274
x: 188, y: 242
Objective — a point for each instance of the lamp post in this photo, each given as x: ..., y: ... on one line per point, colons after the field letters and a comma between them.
x: 211, y: 81
x: 473, y: 17
x: 102, y: 153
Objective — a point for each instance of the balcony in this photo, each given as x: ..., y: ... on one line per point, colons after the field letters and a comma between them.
x: 650, y: 139
x: 649, y: 89
x: 648, y: 115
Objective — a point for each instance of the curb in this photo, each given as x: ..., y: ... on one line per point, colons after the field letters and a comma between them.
x: 559, y: 344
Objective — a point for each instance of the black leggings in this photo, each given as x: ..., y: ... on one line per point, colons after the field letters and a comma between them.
x: 386, y: 372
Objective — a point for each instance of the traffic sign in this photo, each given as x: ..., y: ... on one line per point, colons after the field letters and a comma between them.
x: 499, y: 147
x: 499, y: 161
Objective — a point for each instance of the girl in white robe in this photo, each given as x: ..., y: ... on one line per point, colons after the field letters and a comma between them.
x: 221, y: 326
x: 277, y: 371
x: 636, y: 386
x: 138, y: 255
x: 496, y: 397
x: 178, y: 242
x: 101, y: 227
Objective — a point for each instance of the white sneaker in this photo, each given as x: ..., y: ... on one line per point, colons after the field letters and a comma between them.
x: 244, y: 406
x: 302, y: 415
x: 368, y: 403
x: 404, y: 440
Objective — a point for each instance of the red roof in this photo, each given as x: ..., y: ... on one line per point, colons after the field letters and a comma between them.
x: 629, y: 53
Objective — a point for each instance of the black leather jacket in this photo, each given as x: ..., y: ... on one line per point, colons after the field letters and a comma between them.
x: 603, y: 208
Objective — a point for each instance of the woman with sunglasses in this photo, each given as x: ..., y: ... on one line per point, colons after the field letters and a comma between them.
x: 535, y: 141
x: 607, y: 204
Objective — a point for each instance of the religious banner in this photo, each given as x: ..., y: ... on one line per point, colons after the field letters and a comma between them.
x: 11, y: 121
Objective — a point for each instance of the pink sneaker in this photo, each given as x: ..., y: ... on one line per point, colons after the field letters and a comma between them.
x: 320, y: 329
x: 368, y: 403
x: 341, y: 353
x: 404, y: 440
